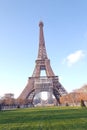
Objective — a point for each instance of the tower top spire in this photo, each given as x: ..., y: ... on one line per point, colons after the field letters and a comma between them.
x: 42, y: 54
x: 41, y: 24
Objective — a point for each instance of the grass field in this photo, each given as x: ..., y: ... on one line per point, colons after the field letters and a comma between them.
x: 46, y: 118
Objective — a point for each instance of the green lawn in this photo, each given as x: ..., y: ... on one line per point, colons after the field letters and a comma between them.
x: 46, y: 118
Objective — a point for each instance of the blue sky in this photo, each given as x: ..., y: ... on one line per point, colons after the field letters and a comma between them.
x: 65, y: 32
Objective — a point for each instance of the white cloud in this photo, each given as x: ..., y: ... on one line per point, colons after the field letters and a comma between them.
x: 74, y: 57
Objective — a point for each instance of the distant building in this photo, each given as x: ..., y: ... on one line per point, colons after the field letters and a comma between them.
x: 8, y: 95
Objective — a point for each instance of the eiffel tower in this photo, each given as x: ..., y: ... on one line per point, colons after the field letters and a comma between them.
x: 37, y: 83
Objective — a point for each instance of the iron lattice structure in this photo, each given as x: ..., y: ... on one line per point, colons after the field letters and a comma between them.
x: 37, y: 83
